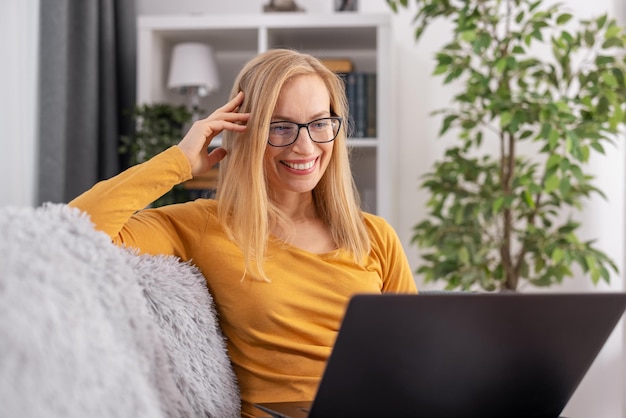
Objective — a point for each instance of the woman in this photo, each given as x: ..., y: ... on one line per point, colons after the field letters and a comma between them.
x: 284, y: 245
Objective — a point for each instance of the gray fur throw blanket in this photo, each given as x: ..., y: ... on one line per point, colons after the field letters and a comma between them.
x: 89, y: 329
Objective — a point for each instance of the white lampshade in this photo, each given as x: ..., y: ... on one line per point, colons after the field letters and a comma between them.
x: 192, y: 65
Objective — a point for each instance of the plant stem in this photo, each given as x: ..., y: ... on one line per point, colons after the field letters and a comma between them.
x: 507, y: 172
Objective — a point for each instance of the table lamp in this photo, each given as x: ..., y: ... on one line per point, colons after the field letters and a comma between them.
x: 193, y: 72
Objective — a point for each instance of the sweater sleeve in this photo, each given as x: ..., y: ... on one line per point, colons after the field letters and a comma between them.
x: 111, y: 203
x: 386, y: 247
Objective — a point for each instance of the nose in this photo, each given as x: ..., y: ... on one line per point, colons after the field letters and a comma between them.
x: 303, y: 144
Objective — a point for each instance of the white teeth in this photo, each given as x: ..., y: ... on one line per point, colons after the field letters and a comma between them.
x: 301, y: 166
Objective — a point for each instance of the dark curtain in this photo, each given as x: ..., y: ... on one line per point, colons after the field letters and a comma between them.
x: 87, y: 90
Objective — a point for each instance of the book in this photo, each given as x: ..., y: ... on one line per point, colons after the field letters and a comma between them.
x: 338, y: 65
x: 372, y: 103
x: 360, y: 90
x: 360, y: 105
x: 350, y: 88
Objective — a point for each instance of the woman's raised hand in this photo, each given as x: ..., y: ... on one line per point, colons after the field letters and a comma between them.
x: 194, y: 144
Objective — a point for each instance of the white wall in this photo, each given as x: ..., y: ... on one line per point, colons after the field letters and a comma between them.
x: 18, y: 47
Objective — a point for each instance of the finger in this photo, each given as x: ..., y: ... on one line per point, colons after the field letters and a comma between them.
x: 218, y: 116
x: 209, y: 135
x: 216, y: 156
x: 229, y: 110
x: 235, y: 117
x: 215, y: 127
x: 233, y: 104
x: 233, y: 126
x: 208, y: 160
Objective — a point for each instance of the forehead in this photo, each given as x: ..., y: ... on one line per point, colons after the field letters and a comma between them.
x: 303, y: 93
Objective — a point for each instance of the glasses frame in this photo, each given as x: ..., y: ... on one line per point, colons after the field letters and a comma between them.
x: 306, y: 125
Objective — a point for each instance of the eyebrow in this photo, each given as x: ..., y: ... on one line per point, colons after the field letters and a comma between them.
x: 324, y: 114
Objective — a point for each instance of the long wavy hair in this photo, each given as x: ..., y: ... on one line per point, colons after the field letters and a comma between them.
x: 245, y: 206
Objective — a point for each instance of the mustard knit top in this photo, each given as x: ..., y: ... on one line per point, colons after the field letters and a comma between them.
x: 279, y: 334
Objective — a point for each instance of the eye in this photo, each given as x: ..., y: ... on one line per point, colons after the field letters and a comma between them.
x: 281, y: 129
x: 320, y: 124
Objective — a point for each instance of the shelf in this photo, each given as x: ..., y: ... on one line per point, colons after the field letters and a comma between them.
x: 362, y: 38
x: 188, y: 22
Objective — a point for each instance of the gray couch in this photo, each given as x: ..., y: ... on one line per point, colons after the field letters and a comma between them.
x: 88, y: 329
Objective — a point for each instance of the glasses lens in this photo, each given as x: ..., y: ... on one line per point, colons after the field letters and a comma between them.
x: 282, y: 133
x: 324, y: 130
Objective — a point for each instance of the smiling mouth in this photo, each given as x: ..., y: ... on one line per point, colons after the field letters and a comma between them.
x: 300, y: 166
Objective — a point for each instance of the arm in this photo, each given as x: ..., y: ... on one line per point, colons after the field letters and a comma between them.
x: 112, y: 203
x: 396, y: 272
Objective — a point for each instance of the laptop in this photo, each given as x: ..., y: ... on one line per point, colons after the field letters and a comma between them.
x: 460, y: 355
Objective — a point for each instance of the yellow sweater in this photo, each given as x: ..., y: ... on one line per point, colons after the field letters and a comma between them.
x: 279, y: 334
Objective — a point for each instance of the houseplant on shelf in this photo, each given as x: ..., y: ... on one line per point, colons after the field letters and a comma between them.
x: 158, y: 126
x: 531, y: 76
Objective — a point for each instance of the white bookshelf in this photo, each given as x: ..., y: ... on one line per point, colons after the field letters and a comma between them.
x: 363, y: 38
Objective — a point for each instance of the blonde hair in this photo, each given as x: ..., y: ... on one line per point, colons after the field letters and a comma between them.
x: 244, y: 201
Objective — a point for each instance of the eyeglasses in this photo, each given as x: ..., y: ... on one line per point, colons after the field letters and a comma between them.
x: 322, y: 130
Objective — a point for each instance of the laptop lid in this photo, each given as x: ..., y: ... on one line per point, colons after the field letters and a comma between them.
x: 464, y: 355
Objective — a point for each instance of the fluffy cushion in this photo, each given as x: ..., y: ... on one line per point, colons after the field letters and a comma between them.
x: 91, y: 329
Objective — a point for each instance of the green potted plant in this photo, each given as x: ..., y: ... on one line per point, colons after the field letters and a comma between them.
x: 158, y: 126
x: 532, y: 76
